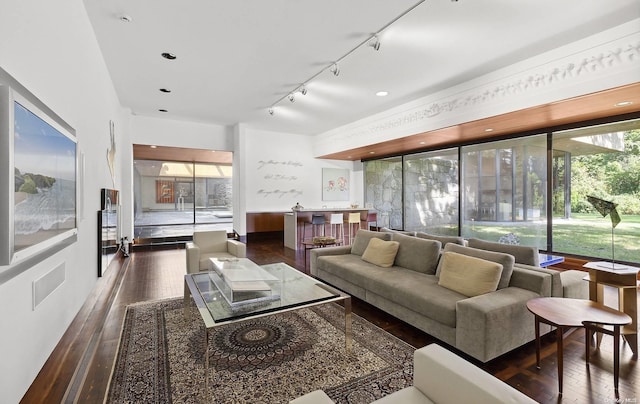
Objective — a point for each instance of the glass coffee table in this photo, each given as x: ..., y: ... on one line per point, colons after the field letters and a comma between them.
x: 294, y: 291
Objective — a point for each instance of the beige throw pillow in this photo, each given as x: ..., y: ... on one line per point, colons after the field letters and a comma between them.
x: 469, y: 276
x: 381, y: 253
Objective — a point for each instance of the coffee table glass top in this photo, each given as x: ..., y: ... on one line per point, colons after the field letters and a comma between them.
x: 294, y: 287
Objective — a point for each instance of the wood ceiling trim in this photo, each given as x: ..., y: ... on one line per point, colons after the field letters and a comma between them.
x: 578, y: 109
x: 181, y: 154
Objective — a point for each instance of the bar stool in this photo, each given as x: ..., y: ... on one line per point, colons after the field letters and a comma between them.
x: 372, y: 217
x: 335, y: 220
x: 317, y: 219
x: 354, y: 225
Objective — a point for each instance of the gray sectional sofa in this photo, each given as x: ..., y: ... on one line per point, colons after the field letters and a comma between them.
x: 483, y: 326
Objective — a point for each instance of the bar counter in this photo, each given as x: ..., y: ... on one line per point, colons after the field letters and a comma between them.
x: 294, y: 223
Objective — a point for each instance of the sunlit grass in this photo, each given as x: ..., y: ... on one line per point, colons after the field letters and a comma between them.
x: 584, y: 234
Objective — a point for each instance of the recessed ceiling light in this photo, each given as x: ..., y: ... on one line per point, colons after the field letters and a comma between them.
x: 623, y: 103
x: 382, y: 93
x: 163, y: 110
x: 153, y: 146
x: 165, y: 90
x: 423, y: 142
x: 372, y: 152
x: 168, y: 55
x: 489, y: 130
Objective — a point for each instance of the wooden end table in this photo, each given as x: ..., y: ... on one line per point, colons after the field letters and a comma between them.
x: 565, y: 313
x: 624, y: 279
x: 310, y: 244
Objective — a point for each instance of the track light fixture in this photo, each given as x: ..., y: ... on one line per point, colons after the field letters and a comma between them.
x: 374, y: 42
x: 370, y: 41
x: 335, y: 69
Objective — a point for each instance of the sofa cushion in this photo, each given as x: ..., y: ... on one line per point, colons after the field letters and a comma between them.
x: 211, y: 241
x: 506, y: 260
x: 381, y: 253
x: 361, y: 241
x: 444, y: 240
x: 405, y: 232
x: 414, y: 290
x: 417, y: 254
x: 467, y: 275
x: 522, y: 254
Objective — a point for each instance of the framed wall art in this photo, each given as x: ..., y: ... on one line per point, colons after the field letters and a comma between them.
x: 38, y: 175
x: 335, y: 184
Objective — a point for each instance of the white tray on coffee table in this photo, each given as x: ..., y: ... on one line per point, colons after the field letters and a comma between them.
x: 242, y: 282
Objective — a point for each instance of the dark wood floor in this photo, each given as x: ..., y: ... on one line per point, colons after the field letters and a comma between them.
x: 79, y: 368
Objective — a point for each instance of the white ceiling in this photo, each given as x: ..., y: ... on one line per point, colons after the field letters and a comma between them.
x: 236, y: 58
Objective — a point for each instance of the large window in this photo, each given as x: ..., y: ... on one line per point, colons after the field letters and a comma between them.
x: 431, y: 192
x: 171, y: 193
x: 604, y: 162
x: 504, y: 191
x: 383, y: 190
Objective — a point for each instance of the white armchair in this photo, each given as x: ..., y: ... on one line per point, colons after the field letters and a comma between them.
x: 211, y: 244
x: 442, y: 377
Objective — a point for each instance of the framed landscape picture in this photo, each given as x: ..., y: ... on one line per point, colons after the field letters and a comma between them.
x: 38, y: 175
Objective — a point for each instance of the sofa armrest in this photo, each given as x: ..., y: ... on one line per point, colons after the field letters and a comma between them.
x: 481, y: 322
x: 237, y: 248
x: 436, y: 370
x: 556, y: 280
x: 539, y: 282
x: 193, y: 257
x: 319, y: 252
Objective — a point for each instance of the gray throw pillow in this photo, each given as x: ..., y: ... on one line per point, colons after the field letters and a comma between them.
x: 506, y: 260
x: 417, y: 254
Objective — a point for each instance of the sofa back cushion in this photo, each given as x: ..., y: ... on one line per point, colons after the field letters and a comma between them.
x: 417, y: 254
x: 505, y: 260
x: 381, y: 253
x: 469, y: 276
x: 406, y: 233
x: 444, y: 240
x: 361, y: 241
x: 211, y: 241
x: 523, y: 254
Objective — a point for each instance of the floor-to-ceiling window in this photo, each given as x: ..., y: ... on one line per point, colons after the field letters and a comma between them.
x: 504, y: 191
x: 383, y: 190
x: 431, y: 192
x: 602, y: 162
x: 171, y: 198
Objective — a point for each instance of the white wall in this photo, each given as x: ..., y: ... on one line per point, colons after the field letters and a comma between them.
x: 278, y: 170
x: 50, y: 48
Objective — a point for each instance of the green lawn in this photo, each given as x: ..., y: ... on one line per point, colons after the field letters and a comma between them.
x: 583, y: 234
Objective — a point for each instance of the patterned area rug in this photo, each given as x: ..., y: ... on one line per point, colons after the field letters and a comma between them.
x: 272, y: 359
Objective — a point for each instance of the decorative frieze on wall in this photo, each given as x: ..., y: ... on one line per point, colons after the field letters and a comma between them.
x: 488, y: 96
